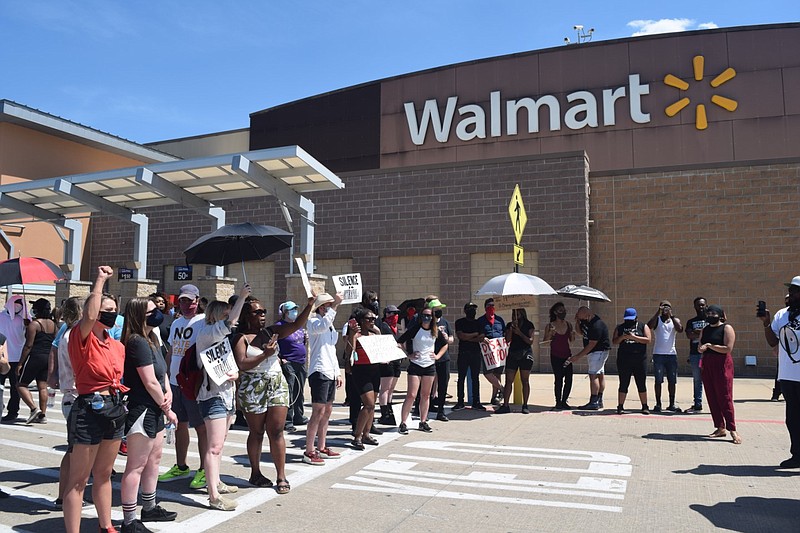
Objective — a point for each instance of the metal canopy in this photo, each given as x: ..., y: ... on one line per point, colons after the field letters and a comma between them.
x: 192, y: 182
x: 201, y: 184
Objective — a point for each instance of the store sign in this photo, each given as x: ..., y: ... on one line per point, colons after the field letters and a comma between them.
x: 183, y: 273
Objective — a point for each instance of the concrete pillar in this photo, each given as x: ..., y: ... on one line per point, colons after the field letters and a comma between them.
x: 297, y: 293
x: 69, y: 288
x: 217, y: 287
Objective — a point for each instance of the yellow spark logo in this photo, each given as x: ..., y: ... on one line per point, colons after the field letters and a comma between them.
x: 701, y: 121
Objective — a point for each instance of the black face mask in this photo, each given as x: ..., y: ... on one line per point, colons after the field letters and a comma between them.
x: 155, y: 319
x: 107, y: 318
x: 374, y: 306
x: 630, y: 323
x: 713, y: 320
x: 471, y: 313
x: 561, y: 315
x: 438, y: 313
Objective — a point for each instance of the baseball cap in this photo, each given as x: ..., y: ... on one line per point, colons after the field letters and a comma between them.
x: 470, y: 305
x: 795, y: 281
x: 321, y: 300
x: 665, y: 302
x: 287, y: 306
x: 487, y: 302
x: 435, y: 304
x: 189, y: 291
x: 390, y: 309
x: 630, y: 314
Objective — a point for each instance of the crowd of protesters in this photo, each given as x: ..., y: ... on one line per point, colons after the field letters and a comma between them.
x: 138, y: 386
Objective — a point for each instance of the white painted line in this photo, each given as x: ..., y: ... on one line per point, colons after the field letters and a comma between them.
x: 520, y: 451
x: 603, y: 469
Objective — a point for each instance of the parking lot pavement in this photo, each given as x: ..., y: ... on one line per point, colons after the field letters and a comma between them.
x: 546, y: 471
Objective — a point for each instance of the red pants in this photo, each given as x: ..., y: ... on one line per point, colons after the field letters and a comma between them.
x: 717, y: 374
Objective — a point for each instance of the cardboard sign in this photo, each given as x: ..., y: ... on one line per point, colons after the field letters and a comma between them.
x: 494, y: 352
x: 350, y: 287
x: 304, y: 276
x: 381, y: 348
x: 218, y: 361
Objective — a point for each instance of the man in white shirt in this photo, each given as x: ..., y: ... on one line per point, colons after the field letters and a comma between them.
x: 665, y: 358
x: 324, y: 377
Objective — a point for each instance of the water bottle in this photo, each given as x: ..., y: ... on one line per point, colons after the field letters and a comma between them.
x: 51, y: 397
x: 98, y: 402
x: 170, y: 428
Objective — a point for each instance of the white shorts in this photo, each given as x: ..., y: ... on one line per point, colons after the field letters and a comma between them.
x: 67, y: 400
x: 597, y: 362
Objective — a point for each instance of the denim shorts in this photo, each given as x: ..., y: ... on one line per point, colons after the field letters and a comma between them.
x: 665, y: 365
x: 185, y: 409
x: 214, y: 408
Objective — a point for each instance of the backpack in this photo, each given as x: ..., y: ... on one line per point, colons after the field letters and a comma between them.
x: 190, y: 375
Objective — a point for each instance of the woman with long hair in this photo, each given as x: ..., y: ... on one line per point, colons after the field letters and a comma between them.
x: 519, y: 335
x: 96, y: 421
x: 263, y: 391
x: 217, y: 405
x: 366, y: 376
x: 560, y: 334
x: 421, y: 337
x: 150, y: 399
x: 35, y: 358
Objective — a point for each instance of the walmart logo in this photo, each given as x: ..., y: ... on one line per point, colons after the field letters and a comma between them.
x: 701, y: 120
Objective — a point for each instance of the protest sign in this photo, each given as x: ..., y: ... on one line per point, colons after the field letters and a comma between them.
x: 349, y: 285
x: 494, y: 352
x: 218, y: 361
x: 381, y: 348
x: 302, y: 267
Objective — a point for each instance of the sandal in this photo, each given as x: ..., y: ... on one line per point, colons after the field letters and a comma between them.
x: 369, y: 440
x: 735, y: 438
x: 260, y: 481
x: 719, y: 433
x: 282, y: 486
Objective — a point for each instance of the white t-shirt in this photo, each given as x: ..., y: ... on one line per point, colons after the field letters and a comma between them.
x: 66, y: 376
x: 664, y: 338
x: 424, y: 343
x: 322, y: 339
x: 207, y: 336
x: 788, y: 333
x: 182, y: 334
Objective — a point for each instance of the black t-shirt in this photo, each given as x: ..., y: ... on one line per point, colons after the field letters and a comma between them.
x: 713, y: 335
x: 630, y: 347
x: 468, y: 325
x: 138, y: 353
x: 444, y: 327
x: 698, y: 322
x: 518, y: 344
x: 596, y: 330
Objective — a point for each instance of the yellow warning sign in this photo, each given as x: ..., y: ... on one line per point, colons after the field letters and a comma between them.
x: 516, y: 210
x: 519, y: 255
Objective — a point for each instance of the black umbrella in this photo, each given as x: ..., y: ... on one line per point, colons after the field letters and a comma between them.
x: 236, y: 243
x: 24, y: 270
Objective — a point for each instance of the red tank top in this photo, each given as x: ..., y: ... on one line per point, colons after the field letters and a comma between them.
x: 559, y: 345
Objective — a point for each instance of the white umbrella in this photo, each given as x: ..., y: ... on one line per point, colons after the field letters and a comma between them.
x: 583, y: 292
x: 514, y: 289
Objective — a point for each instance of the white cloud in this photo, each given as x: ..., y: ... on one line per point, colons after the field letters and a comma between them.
x: 650, y: 27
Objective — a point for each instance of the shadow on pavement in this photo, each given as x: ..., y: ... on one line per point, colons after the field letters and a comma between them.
x: 682, y: 437
x: 750, y: 514
x: 738, y: 471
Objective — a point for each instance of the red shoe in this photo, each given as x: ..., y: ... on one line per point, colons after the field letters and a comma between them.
x: 313, y: 458
x: 327, y: 453
x: 123, y: 448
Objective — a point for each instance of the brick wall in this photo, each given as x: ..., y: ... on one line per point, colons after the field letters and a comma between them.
x: 726, y: 234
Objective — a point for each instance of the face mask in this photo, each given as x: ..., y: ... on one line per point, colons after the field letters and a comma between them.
x: 107, y: 318
x: 292, y: 315
x: 438, y: 313
x: 561, y: 315
x: 630, y: 323
x: 713, y: 320
x: 427, y: 318
x: 188, y: 308
x: 155, y: 318
x: 490, y: 311
x: 584, y: 323
x: 374, y: 306
x: 471, y: 313
x: 391, y: 320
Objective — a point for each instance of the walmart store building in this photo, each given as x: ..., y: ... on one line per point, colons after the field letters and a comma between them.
x: 654, y: 167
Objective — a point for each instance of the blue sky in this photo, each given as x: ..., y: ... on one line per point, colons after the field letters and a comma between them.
x: 154, y: 70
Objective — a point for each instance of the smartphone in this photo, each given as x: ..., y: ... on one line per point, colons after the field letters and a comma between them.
x: 352, y: 323
x: 762, y: 308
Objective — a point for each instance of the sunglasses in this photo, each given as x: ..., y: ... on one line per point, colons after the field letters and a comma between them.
x: 370, y: 318
x: 260, y: 312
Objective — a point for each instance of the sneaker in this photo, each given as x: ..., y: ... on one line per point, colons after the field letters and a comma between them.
x: 645, y: 410
x: 792, y: 462
x: 199, y: 480
x: 41, y: 419
x: 9, y: 418
x: 496, y: 400
x: 327, y: 453
x: 289, y: 427
x: 525, y: 410
x: 441, y: 417
x: 458, y: 406
x: 657, y: 408
x: 313, y: 458
x: 503, y: 409
x: 375, y: 431
x: 567, y: 407
x: 58, y: 505
x: 175, y: 472
x: 222, y: 504
x: 123, y: 448
x: 403, y: 429
x: 423, y: 426
x: 478, y: 407
x: 222, y: 488
x: 301, y: 421
x: 591, y: 406
x: 696, y: 408
x: 34, y: 413
x: 158, y: 514
x: 620, y: 410
x: 673, y: 409
x: 134, y: 527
